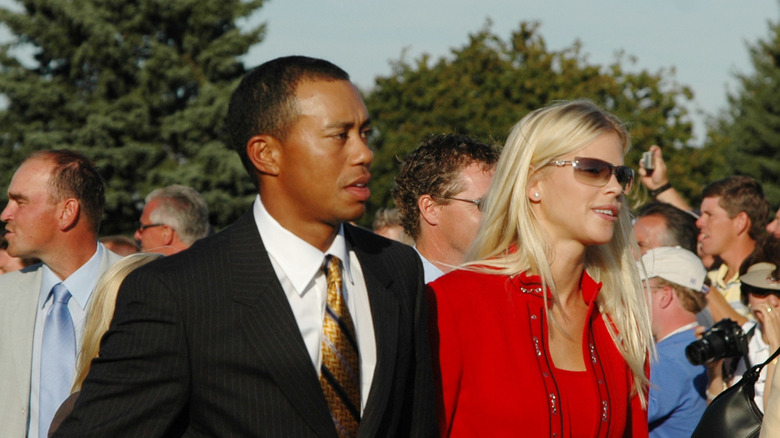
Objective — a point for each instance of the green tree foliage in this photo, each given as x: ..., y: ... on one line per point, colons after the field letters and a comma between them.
x: 489, y: 84
x: 139, y: 86
x: 748, y: 133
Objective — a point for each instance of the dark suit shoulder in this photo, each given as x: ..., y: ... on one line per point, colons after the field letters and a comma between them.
x: 389, y: 257
x: 372, y: 243
x: 211, y: 251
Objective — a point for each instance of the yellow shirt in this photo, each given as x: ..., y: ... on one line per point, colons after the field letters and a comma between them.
x: 730, y: 289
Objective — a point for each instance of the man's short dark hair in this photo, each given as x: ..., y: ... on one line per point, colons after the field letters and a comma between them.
x: 681, y: 225
x: 741, y: 193
x: 75, y: 176
x: 433, y: 169
x: 264, y: 101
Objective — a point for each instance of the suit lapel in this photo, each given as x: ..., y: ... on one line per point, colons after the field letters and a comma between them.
x: 17, y: 330
x: 17, y: 327
x: 384, y: 310
x: 271, y: 327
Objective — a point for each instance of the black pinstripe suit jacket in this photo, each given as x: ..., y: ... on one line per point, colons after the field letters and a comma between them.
x: 204, y: 343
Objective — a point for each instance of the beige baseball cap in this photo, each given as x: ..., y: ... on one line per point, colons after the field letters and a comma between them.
x: 760, y: 276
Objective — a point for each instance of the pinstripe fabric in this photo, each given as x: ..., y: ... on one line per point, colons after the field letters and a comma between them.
x: 204, y: 343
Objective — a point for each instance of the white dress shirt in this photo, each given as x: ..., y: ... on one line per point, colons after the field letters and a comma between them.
x: 431, y: 271
x: 80, y: 285
x: 300, y: 269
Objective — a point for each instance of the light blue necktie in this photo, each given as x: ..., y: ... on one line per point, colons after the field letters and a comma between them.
x: 58, y: 358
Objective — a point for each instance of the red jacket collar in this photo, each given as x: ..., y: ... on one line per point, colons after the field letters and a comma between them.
x: 533, y: 284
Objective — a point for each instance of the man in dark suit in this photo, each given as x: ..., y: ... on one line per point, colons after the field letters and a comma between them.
x: 235, y: 336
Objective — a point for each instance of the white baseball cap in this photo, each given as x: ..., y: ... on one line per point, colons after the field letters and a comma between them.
x: 675, y: 265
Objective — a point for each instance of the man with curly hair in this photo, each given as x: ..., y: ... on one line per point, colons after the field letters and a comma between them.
x: 440, y: 191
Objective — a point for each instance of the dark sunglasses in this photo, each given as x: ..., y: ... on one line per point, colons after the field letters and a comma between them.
x: 595, y: 172
x: 746, y: 290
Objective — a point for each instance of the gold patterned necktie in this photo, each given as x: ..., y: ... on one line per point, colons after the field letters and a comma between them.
x: 340, y: 372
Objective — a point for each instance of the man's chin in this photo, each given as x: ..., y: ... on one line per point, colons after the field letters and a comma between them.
x: 18, y: 252
x: 355, y: 213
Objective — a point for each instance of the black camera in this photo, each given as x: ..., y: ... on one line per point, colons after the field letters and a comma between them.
x: 724, y: 339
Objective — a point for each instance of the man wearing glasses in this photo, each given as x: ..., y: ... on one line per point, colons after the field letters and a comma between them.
x: 174, y: 217
x: 440, y: 190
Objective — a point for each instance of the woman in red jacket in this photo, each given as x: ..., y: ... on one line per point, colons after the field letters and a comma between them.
x: 546, y: 331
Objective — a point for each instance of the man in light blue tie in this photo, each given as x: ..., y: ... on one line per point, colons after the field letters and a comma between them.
x: 55, y: 201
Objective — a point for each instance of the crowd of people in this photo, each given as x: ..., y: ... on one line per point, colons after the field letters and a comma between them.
x: 511, y: 291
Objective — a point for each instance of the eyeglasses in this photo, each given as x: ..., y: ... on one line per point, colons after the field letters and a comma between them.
x: 142, y: 227
x: 596, y: 173
x: 480, y: 203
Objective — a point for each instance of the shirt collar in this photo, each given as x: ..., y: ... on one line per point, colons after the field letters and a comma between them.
x: 721, y: 279
x: 80, y: 284
x: 430, y: 271
x: 300, y: 261
x: 686, y: 327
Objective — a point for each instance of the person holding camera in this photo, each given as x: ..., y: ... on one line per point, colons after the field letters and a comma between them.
x: 760, y: 291
x: 733, y: 217
x: 675, y: 277
x: 652, y: 173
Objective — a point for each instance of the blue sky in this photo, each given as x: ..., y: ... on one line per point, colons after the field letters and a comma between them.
x: 703, y: 40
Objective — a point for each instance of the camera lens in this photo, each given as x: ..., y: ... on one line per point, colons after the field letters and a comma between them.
x: 699, y: 352
x: 724, y: 339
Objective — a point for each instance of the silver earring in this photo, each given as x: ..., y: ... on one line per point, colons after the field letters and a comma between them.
x: 536, y: 195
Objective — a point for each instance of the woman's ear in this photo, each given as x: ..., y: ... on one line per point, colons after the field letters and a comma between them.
x: 534, y: 190
x: 265, y: 151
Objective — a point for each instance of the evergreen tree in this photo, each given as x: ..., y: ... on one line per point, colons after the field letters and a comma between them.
x: 749, y: 131
x: 488, y: 85
x: 139, y: 86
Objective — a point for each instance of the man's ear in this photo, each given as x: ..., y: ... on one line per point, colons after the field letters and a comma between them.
x: 69, y: 213
x: 167, y: 236
x: 666, y: 297
x: 742, y: 222
x: 429, y: 209
x: 265, y: 151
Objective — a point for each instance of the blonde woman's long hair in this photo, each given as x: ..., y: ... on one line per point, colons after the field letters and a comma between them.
x: 100, y: 310
x: 508, y: 221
